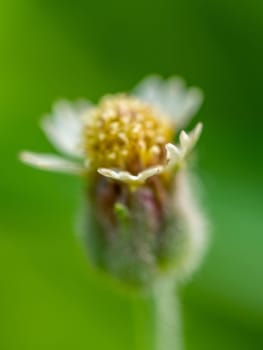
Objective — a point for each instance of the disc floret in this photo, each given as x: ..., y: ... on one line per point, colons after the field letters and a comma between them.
x: 126, y: 134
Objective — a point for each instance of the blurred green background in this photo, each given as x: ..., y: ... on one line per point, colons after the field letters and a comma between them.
x: 49, y: 298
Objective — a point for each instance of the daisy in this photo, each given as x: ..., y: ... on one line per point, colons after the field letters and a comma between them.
x: 126, y: 138
x: 140, y: 215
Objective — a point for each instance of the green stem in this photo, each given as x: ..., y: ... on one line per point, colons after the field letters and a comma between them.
x: 157, y: 318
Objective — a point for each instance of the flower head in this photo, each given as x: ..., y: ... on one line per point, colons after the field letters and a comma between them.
x: 125, y: 137
x: 124, y: 146
x: 125, y: 133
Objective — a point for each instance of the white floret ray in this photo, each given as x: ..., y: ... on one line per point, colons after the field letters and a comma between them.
x: 175, y: 156
x: 64, y: 128
x: 129, y: 178
x: 171, y: 97
x: 51, y: 162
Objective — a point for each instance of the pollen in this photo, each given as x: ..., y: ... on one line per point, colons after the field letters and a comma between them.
x: 125, y: 133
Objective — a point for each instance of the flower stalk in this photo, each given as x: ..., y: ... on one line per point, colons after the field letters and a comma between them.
x: 157, y: 318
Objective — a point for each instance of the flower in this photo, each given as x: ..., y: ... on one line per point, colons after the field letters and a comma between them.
x: 124, y: 147
x: 126, y: 138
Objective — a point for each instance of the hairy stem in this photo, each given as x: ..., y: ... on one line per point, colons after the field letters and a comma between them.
x: 157, y: 318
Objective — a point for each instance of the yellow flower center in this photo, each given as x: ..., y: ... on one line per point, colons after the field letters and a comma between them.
x: 125, y: 133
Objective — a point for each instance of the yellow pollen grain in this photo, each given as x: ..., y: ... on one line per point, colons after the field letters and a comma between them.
x: 155, y: 149
x: 125, y: 133
x: 123, y: 137
x: 111, y: 155
x: 102, y: 136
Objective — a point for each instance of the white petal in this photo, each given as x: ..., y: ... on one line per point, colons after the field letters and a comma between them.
x: 171, y: 97
x: 173, y: 155
x: 184, y: 139
x: 109, y: 173
x: 145, y: 174
x: 64, y: 127
x: 188, y: 141
x: 51, y: 162
x: 150, y: 91
x: 195, y: 134
x: 125, y: 176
